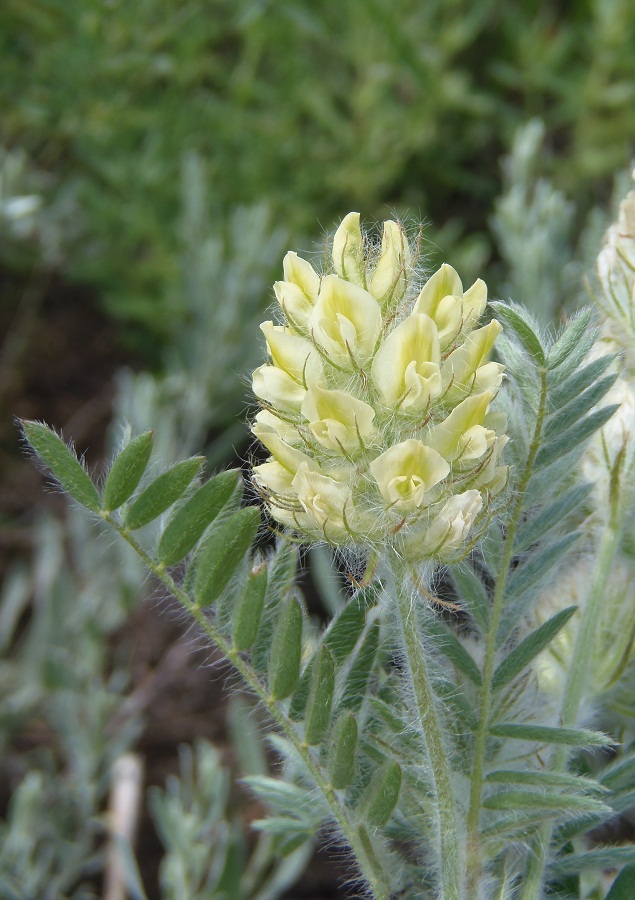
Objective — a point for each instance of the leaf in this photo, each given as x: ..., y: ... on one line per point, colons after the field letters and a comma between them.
x: 161, y: 493
x: 64, y: 465
x: 524, y: 331
x: 281, y: 568
x: 452, y: 648
x: 286, y: 650
x: 531, y: 573
x: 580, y: 406
x: 620, y: 773
x: 320, y: 699
x: 575, y: 436
x: 380, y: 797
x: 359, y: 673
x: 597, y: 858
x: 545, y: 734
x: 248, y: 609
x: 552, y: 800
x: 472, y: 590
x: 546, y: 779
x: 223, y: 553
x: 579, y: 381
x: 623, y: 888
x: 531, y: 646
x: 569, y: 341
x: 553, y: 515
x: 186, y: 527
x: 342, y: 750
x: 127, y: 470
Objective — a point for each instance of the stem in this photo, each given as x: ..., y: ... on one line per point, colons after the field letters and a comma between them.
x: 574, y: 691
x: 451, y: 866
x: 485, y: 694
x: 380, y: 889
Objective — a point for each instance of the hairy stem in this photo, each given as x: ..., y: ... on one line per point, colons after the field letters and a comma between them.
x: 485, y: 694
x: 367, y: 865
x: 450, y: 855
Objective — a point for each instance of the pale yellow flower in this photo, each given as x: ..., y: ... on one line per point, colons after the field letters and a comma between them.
x: 466, y: 371
x: 345, y: 322
x: 389, y: 281
x: 339, y: 422
x: 450, y: 528
x: 406, y: 472
x: 348, y: 250
x: 442, y: 299
x: 462, y: 436
x: 405, y: 369
x: 327, y: 502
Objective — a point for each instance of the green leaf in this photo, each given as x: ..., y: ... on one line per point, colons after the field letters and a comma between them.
x: 341, y: 638
x: 64, y: 465
x: 342, y: 750
x: 538, y: 566
x: 551, y: 516
x: 522, y: 328
x: 531, y: 646
x: 286, y: 650
x: 569, y: 341
x: 545, y: 734
x: 359, y: 673
x: 552, y: 800
x: 597, y: 859
x: 623, y: 888
x: 223, y: 552
x: 545, y: 779
x: 282, y: 567
x: 452, y: 648
x: 574, y: 437
x: 185, y: 528
x: 161, y: 493
x: 473, y: 592
x: 620, y: 773
x: 320, y: 699
x: 580, y: 406
x: 248, y: 609
x: 380, y: 797
x: 127, y: 470
x: 579, y: 381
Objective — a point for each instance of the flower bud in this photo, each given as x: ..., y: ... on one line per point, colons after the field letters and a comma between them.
x: 348, y: 250
x: 389, y: 281
x: 450, y: 528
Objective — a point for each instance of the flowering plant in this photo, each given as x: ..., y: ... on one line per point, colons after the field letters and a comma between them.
x: 420, y: 728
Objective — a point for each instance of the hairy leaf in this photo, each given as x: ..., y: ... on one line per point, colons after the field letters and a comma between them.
x: 223, y: 552
x: 247, y: 611
x: 574, y: 437
x: 342, y: 750
x: 579, y: 381
x: 320, y: 699
x: 544, y: 779
x: 597, y: 859
x: 516, y: 319
x: 286, y: 650
x: 552, y: 516
x: 580, y: 406
x: 569, y: 341
x: 186, y: 527
x: 161, y: 493
x: 531, y: 646
x: 452, y: 648
x: 567, y: 803
x: 127, y: 470
x: 381, y: 795
x: 473, y: 592
x: 361, y: 668
x: 64, y: 465
x: 545, y: 734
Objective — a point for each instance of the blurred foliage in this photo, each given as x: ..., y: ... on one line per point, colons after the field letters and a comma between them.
x: 315, y: 108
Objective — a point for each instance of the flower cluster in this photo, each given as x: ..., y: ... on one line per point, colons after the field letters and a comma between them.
x: 376, y: 401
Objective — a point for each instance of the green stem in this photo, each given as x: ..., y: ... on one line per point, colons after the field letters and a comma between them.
x: 367, y: 865
x: 485, y: 693
x: 450, y: 855
x: 574, y: 691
